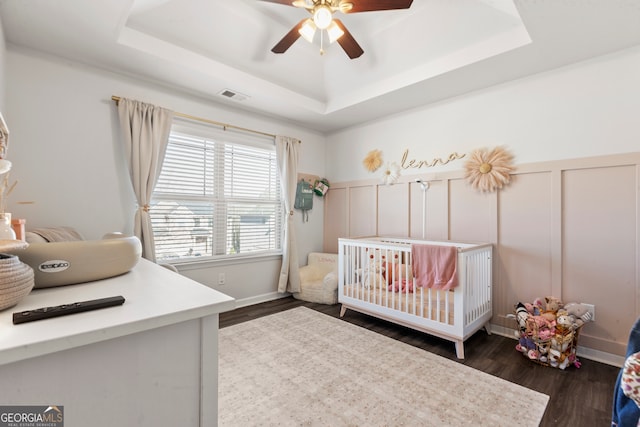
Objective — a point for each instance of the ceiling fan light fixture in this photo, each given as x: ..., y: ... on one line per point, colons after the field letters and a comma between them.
x: 334, y: 32
x: 322, y: 16
x: 308, y: 30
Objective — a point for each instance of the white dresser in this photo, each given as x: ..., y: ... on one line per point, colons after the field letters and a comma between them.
x: 152, y: 361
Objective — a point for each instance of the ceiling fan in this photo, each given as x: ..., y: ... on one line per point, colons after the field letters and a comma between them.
x: 322, y: 19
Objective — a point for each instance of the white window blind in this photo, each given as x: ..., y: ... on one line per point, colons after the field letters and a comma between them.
x: 218, y: 195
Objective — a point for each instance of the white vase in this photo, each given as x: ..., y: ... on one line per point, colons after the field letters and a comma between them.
x: 6, y: 231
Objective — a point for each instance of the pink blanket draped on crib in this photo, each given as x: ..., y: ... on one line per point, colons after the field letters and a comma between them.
x: 435, y: 266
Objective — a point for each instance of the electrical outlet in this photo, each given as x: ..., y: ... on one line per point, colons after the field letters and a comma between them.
x: 221, y: 279
x: 592, y: 310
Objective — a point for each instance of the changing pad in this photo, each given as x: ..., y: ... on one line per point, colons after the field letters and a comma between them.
x: 58, y: 263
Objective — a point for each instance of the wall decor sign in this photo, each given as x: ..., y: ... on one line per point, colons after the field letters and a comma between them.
x: 392, y: 171
x: 407, y: 163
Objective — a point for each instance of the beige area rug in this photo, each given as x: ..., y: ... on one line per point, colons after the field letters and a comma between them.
x: 302, y: 367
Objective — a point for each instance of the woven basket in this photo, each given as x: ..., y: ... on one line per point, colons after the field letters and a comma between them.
x: 565, y: 343
x: 16, y: 280
x: 557, y: 350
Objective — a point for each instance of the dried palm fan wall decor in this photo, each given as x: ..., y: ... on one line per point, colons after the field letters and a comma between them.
x: 489, y: 170
x: 373, y: 160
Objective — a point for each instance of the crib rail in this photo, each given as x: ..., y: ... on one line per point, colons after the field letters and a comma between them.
x: 375, y: 276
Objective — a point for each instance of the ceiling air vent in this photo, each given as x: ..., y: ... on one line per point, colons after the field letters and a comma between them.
x: 231, y: 94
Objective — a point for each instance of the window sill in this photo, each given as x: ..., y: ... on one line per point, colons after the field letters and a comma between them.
x: 195, y: 264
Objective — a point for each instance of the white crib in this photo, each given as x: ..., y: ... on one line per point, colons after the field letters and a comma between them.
x: 374, y: 277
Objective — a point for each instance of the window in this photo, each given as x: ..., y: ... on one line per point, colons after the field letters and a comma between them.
x: 218, y: 195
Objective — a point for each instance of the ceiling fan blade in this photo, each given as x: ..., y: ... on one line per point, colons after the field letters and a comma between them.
x: 373, y: 5
x: 287, y: 2
x: 348, y: 43
x: 304, y: 4
x: 289, y: 39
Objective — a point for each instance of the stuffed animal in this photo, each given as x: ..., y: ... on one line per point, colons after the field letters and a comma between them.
x: 561, y: 349
x: 539, y: 323
x: 525, y: 344
x: 564, y: 323
x: 557, y: 359
x: 546, y: 334
x: 522, y: 314
x: 579, y: 311
x: 551, y: 307
x: 532, y: 309
x: 372, y: 275
x: 538, y: 303
x: 396, y: 272
x: 543, y: 355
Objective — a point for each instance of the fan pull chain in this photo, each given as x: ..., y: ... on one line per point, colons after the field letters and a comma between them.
x: 321, y: 42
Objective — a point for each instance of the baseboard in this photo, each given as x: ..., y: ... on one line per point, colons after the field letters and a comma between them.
x: 600, y: 356
x: 584, y: 352
x: 257, y: 299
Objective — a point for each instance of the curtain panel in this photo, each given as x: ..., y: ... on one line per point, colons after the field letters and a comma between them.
x: 287, y: 159
x: 145, y: 132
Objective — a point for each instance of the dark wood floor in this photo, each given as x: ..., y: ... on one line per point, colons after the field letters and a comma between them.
x: 578, y: 397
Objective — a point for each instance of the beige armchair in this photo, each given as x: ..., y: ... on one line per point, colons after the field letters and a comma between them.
x: 319, y: 279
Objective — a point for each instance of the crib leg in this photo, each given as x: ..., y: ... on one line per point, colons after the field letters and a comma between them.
x: 460, y: 349
x: 487, y: 327
x: 343, y: 310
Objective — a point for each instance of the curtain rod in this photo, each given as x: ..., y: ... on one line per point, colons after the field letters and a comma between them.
x: 212, y: 122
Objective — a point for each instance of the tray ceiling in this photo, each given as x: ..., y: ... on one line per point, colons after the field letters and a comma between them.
x: 435, y: 50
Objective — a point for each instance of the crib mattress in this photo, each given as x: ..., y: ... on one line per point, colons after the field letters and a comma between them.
x: 444, y: 312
